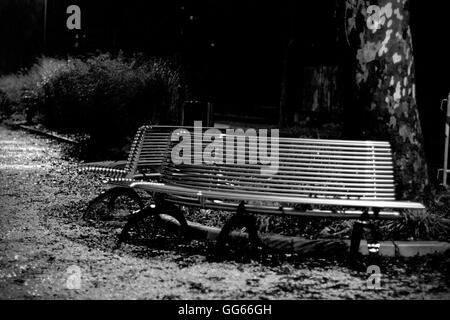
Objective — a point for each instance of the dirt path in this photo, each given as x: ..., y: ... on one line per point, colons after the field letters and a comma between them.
x: 41, y: 237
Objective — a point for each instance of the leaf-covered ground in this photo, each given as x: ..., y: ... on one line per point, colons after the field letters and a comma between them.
x: 42, y: 198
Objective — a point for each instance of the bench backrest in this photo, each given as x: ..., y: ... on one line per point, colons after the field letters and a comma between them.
x: 306, y: 168
x: 147, y: 152
x: 148, y: 149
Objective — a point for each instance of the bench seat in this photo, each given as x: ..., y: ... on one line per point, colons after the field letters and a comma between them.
x: 199, y: 195
x: 336, y: 173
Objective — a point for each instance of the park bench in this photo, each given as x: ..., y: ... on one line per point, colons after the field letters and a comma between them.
x: 339, y: 179
x: 147, y: 153
x: 145, y: 157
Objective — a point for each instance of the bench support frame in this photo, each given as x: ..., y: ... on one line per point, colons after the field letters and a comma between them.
x: 111, y: 195
x: 241, y: 218
x: 358, y: 231
x: 116, y: 192
x: 160, y: 207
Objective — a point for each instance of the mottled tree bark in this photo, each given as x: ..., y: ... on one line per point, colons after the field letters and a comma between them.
x: 380, y: 35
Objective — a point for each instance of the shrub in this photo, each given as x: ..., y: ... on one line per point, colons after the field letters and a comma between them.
x: 106, y: 97
x: 13, y: 88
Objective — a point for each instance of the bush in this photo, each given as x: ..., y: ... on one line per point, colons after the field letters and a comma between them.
x: 12, y: 90
x: 106, y: 97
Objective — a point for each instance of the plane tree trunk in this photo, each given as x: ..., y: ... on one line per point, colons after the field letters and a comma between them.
x: 384, y: 82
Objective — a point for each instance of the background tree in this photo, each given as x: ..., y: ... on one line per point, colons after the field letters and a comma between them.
x: 384, y: 86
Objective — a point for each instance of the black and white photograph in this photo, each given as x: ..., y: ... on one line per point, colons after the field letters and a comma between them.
x: 243, y: 152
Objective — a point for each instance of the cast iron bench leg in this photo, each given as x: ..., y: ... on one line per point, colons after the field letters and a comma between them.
x: 133, y: 220
x: 113, y: 194
x: 161, y: 207
x: 119, y: 191
x: 240, y: 218
x: 357, y: 234
x: 104, y: 195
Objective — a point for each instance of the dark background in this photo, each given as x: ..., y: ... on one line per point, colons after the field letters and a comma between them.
x: 231, y: 52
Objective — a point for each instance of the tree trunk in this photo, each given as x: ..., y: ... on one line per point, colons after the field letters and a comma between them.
x: 385, y: 86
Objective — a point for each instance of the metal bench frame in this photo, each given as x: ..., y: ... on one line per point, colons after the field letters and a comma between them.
x: 147, y: 153
x: 145, y: 157
x: 362, y: 196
